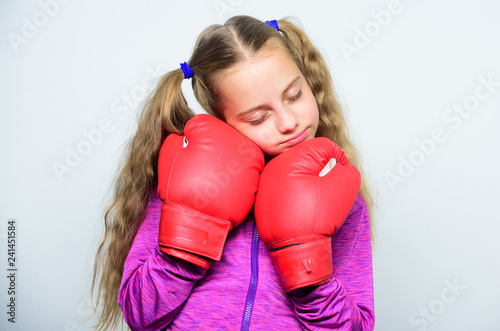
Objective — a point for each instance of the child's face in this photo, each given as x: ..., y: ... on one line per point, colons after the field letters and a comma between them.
x: 268, y: 100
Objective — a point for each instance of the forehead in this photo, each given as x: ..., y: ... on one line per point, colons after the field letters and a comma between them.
x: 271, y: 66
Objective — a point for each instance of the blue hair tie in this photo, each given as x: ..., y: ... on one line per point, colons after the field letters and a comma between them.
x: 188, y: 73
x: 274, y: 24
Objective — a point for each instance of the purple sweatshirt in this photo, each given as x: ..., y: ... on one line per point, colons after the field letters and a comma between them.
x: 242, y: 291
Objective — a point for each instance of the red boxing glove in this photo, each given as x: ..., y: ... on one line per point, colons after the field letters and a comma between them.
x: 207, y: 181
x: 304, y: 196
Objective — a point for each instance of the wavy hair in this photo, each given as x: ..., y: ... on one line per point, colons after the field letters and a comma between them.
x: 165, y: 111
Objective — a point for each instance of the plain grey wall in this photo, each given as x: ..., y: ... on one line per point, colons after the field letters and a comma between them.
x: 420, y: 81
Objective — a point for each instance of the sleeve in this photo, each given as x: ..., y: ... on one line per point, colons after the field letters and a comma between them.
x: 346, y: 301
x: 154, y: 285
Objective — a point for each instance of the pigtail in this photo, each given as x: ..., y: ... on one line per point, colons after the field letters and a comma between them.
x: 165, y: 111
x: 169, y: 101
x: 332, y: 121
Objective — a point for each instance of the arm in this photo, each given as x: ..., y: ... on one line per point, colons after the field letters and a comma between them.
x: 346, y: 301
x: 154, y: 285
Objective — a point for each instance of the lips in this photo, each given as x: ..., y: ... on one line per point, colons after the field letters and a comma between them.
x: 296, y: 139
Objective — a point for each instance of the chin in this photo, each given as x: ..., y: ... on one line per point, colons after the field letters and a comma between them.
x: 271, y: 154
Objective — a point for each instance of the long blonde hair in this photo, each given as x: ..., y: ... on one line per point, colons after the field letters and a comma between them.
x: 165, y: 111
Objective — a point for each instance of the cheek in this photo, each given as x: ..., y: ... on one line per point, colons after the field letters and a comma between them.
x: 312, y: 112
x: 316, y: 114
x: 262, y: 135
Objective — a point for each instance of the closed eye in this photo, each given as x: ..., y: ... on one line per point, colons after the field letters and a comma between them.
x: 259, y: 120
x: 296, y: 96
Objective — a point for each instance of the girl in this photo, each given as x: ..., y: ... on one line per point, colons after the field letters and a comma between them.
x: 271, y: 84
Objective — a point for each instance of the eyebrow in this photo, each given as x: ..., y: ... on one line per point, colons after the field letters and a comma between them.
x: 243, y: 113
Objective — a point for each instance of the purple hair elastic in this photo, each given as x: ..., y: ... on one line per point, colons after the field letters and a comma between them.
x: 188, y: 73
x: 274, y: 24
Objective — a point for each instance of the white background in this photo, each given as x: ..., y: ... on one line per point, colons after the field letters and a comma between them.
x: 437, y: 225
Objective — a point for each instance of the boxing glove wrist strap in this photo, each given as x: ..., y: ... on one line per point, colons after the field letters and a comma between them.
x: 187, y: 230
x: 189, y: 257
x: 303, y: 265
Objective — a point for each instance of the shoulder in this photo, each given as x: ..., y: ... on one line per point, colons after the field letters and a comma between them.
x: 359, y: 208
x: 352, y: 242
x: 152, y: 211
x: 356, y: 224
x: 154, y: 203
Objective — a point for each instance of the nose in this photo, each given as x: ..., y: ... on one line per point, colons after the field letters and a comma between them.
x: 286, y: 121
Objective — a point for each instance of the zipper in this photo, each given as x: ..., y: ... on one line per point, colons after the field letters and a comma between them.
x: 252, y: 288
